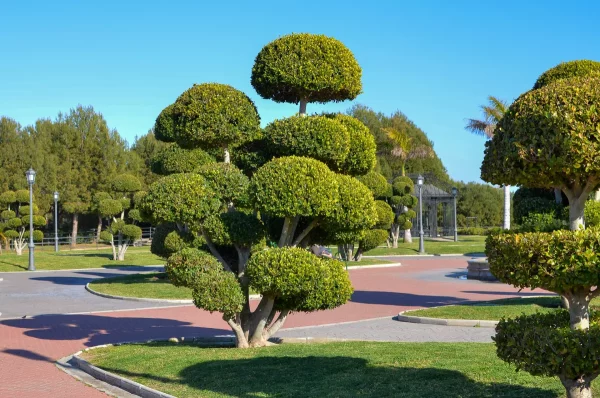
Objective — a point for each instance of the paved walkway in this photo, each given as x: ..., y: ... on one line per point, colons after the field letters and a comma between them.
x: 29, y: 347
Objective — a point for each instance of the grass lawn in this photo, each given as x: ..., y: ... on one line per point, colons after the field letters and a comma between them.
x: 496, y: 309
x: 156, y: 285
x: 46, y: 260
x: 465, y: 245
x: 344, y: 369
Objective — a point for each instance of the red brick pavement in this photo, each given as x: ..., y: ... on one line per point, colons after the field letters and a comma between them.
x: 29, y: 347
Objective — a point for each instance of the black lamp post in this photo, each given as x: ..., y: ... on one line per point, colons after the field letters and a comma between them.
x: 55, y: 221
x: 454, y: 193
x: 30, y: 181
x: 421, y: 242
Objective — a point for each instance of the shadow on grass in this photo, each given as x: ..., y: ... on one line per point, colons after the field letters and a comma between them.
x: 518, y: 294
x: 397, y: 299
x: 326, y: 376
x: 107, y: 256
x: 24, y: 267
x: 98, y: 329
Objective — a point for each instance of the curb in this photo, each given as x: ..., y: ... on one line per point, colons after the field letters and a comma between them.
x: 150, y: 300
x: 375, y: 266
x: 446, y: 322
x: 425, y: 255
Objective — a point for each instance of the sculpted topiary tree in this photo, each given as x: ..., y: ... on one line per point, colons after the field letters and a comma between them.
x: 548, y: 138
x: 124, y: 187
x: 15, y: 224
x: 403, y: 203
x: 302, y: 186
x: 302, y: 68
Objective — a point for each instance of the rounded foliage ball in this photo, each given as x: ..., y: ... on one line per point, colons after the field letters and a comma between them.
x: 125, y: 183
x: 164, y: 127
x: 182, y: 198
x: 376, y: 183
x: 7, y: 214
x: 175, y: 159
x: 110, y: 207
x: 309, y: 67
x: 11, y: 234
x: 557, y: 122
x: 298, y: 279
x: 37, y: 235
x: 317, y: 137
x: 403, y: 186
x: 373, y: 238
x: 212, y: 115
x: 219, y: 291
x: 106, y: 236
x: 131, y: 232
x: 361, y: 155
x: 183, y: 267
x: 167, y: 239
x: 22, y: 196
x: 24, y: 210
x: 294, y: 186
x: 385, y: 215
x: 235, y: 227
x: 227, y: 182
x: 75, y: 207
x: 8, y: 197
x: 356, y: 208
x: 566, y: 70
x: 15, y: 222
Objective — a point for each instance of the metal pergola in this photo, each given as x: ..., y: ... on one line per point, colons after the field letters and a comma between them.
x: 438, y: 212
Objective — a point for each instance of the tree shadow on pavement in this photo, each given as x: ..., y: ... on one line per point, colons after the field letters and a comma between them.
x: 396, y: 298
x: 320, y: 376
x: 98, y: 329
x: 518, y: 294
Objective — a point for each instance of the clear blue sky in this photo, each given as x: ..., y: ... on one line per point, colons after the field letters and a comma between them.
x: 436, y: 61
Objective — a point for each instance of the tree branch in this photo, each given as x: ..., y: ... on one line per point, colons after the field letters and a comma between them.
x: 284, y: 232
x: 292, y: 230
x: 306, y: 231
x: 214, y: 251
x: 242, y: 342
x: 274, y: 328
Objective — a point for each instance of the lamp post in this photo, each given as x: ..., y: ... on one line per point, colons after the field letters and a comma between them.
x: 55, y: 221
x: 30, y: 181
x: 454, y: 193
x: 421, y: 242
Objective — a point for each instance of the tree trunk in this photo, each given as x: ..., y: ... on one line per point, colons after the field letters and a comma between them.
x: 227, y: 156
x: 506, y: 224
x: 597, y: 195
x: 395, y: 232
x: 74, y: 230
x: 19, y: 250
x: 579, y: 310
x: 578, y: 388
x: 407, y: 236
x: 302, y: 107
x: 98, y: 228
x: 558, y: 196
x: 359, y: 254
x: 576, y: 214
x: 261, y: 320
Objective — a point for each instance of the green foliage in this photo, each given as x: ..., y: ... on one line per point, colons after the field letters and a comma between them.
x: 299, y: 280
x: 403, y: 186
x: 98, y: 197
x: 376, y: 183
x: 317, y: 137
x: 372, y: 239
x: 356, y: 209
x: 566, y: 70
x: 8, y: 197
x: 472, y: 231
x: 7, y: 215
x: 138, y: 197
x: 15, y: 222
x: 218, y: 290
x: 409, y: 201
x: 557, y: 261
x: 135, y: 215
x: 235, y: 227
x: 131, y: 232
x: 22, y: 196
x: 404, y: 221
x: 544, y: 345
x: 76, y: 207
x: 181, y: 198
x: 227, y: 182
x: 592, y: 213
x: 361, y: 155
x: 38, y: 221
x: 214, y: 115
x: 37, y: 235
x: 483, y: 202
x: 314, y: 68
x: 291, y: 186
x: 533, y: 205
x: 174, y: 159
x: 126, y: 183
x: 167, y: 239
x: 184, y: 266
x: 535, y: 222
x: 125, y: 203
x: 385, y: 215
x: 164, y: 128
x: 24, y: 210
x: 106, y: 236
x: 110, y: 207
x: 11, y: 233
x: 555, y: 123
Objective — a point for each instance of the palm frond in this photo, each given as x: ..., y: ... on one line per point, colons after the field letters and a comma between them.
x: 420, y: 152
x: 479, y: 127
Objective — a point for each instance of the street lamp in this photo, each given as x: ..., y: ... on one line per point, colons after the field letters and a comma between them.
x: 421, y: 242
x: 454, y: 193
x: 30, y: 181
x: 55, y: 221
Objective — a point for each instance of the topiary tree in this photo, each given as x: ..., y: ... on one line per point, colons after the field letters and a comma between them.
x: 403, y: 203
x: 372, y: 238
x: 566, y: 70
x: 124, y: 186
x: 376, y: 183
x: 282, y: 195
x: 302, y: 68
x: 548, y: 139
x: 15, y: 226
x: 174, y: 159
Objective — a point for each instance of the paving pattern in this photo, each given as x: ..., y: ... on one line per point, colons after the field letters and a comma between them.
x: 29, y: 346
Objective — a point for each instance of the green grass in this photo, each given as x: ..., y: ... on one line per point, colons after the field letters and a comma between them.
x: 344, y: 369
x: 465, y: 245
x: 495, y: 309
x: 156, y: 285
x: 76, y: 259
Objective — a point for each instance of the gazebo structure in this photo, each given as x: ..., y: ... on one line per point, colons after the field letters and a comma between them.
x: 438, y: 212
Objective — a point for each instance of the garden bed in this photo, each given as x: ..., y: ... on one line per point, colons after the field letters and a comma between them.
x: 344, y: 369
x: 467, y: 245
